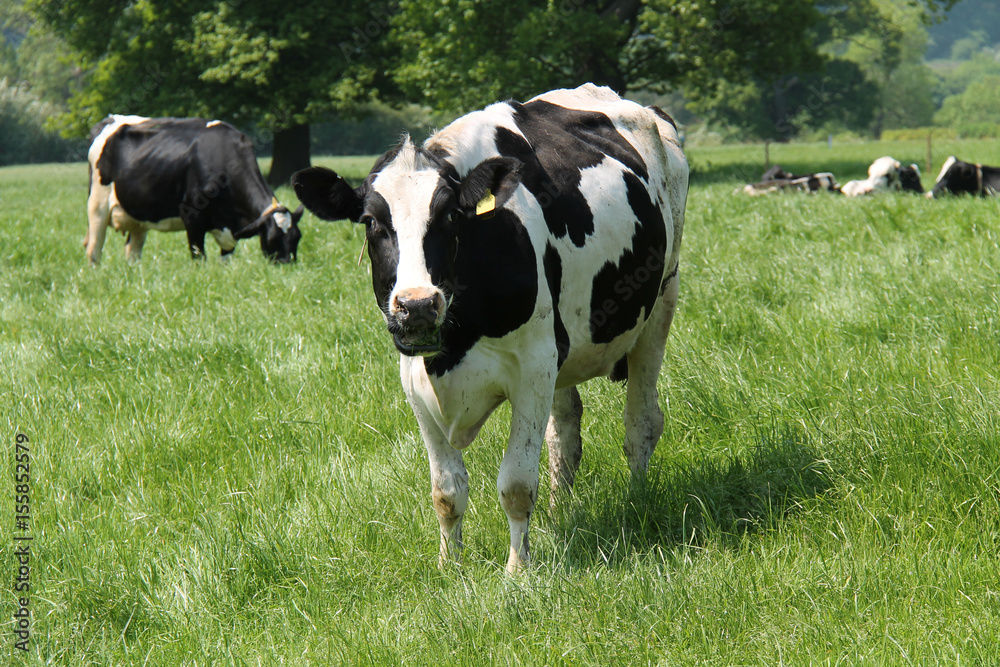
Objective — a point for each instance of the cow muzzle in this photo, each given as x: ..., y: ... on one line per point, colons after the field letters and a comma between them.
x: 415, y: 319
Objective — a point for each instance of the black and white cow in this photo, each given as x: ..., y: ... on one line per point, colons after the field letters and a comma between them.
x: 957, y: 177
x: 182, y: 174
x: 777, y: 179
x: 886, y: 174
x: 518, y: 252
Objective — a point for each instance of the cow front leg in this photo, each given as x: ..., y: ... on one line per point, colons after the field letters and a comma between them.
x: 563, y: 438
x: 196, y: 242
x: 449, y: 492
x: 643, y: 416
x: 517, y: 483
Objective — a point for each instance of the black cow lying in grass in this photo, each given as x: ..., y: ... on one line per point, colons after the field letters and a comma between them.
x: 777, y: 179
x: 957, y: 177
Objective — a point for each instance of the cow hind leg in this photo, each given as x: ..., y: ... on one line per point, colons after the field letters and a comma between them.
x: 563, y: 438
x: 643, y: 417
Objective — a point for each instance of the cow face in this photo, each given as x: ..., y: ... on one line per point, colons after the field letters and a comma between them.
x: 956, y: 177
x: 413, y: 207
x: 279, y: 234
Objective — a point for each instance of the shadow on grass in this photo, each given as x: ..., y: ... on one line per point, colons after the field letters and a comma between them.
x: 685, y: 506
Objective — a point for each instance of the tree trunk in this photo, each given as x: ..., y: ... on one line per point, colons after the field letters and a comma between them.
x: 290, y: 154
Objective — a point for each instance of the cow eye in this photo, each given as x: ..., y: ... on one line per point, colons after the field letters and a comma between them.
x: 371, y: 224
x: 453, y: 216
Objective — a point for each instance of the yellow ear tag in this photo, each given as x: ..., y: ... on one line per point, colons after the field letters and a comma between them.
x: 486, y: 205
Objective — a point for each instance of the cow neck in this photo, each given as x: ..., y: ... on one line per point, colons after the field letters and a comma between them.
x: 259, y: 199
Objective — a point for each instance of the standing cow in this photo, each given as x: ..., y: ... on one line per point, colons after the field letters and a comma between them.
x: 520, y: 251
x: 182, y: 174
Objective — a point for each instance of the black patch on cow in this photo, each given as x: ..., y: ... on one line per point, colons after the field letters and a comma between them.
x: 552, y: 264
x: 909, y: 179
x: 620, y: 372
x: 621, y: 290
x: 383, y: 247
x: 495, y: 286
x: 663, y: 114
x: 560, y: 144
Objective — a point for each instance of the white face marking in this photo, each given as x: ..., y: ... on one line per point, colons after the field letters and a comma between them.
x: 284, y: 220
x: 224, y: 238
x: 213, y: 123
x: 409, y: 194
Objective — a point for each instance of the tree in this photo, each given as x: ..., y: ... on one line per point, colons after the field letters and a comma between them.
x: 256, y: 63
x: 466, y: 53
x: 777, y: 110
x: 977, y: 105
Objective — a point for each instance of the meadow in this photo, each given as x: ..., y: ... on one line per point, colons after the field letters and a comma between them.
x: 224, y: 470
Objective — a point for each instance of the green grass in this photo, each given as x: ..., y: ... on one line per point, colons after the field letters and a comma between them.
x: 226, y: 472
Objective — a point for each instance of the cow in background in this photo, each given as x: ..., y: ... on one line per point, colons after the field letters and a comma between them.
x: 884, y: 175
x: 182, y: 174
x: 777, y: 179
x: 959, y: 177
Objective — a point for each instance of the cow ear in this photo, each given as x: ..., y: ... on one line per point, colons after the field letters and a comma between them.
x: 297, y: 214
x: 253, y: 229
x: 499, y: 176
x: 327, y: 195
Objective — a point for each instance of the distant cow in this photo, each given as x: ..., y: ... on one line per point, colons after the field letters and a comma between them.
x: 957, y: 177
x: 777, y: 179
x: 886, y: 174
x: 518, y: 252
x: 182, y: 174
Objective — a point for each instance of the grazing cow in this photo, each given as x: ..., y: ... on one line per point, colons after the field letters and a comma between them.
x: 777, y: 179
x: 957, y: 177
x: 520, y: 251
x: 884, y: 174
x: 174, y: 174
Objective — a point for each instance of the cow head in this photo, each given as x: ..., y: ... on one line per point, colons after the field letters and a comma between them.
x: 909, y: 178
x: 279, y: 233
x: 957, y: 177
x: 413, y: 206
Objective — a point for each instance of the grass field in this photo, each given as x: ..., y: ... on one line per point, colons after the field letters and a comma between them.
x: 225, y: 471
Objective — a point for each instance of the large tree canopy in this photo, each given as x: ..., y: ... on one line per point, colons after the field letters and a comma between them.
x: 459, y: 54
x: 275, y: 66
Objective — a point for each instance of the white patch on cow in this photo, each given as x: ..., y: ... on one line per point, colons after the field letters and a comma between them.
x: 466, y: 141
x: 884, y: 171
x: 97, y: 146
x: 284, y: 220
x: 946, y: 167
x: 224, y: 238
x: 883, y: 175
x: 213, y: 123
